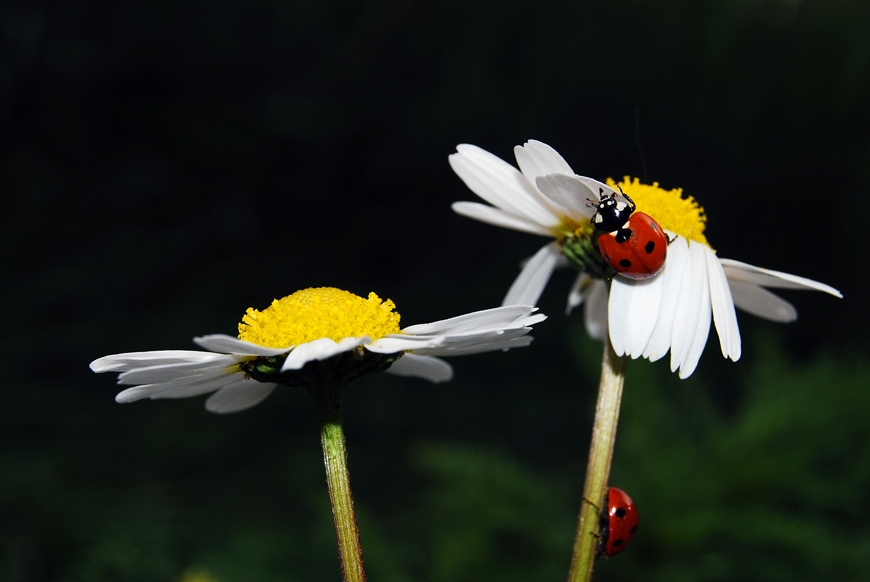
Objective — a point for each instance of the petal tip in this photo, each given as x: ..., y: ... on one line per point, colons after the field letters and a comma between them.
x: 98, y: 366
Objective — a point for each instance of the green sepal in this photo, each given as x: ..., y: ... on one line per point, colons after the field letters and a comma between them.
x: 267, y: 365
x: 339, y: 370
x: 582, y: 252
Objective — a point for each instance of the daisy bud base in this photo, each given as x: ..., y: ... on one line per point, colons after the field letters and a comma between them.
x: 582, y: 252
x: 337, y: 371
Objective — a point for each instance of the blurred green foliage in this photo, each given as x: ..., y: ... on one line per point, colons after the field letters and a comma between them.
x: 775, y: 490
x: 772, y: 489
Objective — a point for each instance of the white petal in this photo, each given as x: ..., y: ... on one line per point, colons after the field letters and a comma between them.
x: 474, y: 339
x: 498, y: 217
x: 595, y: 310
x: 598, y: 188
x: 425, y: 367
x: 320, y: 349
x: 672, y: 280
x: 568, y: 192
x: 232, y: 345
x: 530, y: 283
x: 464, y: 341
x: 723, y: 308
x: 527, y: 320
x: 168, y: 372
x: 737, y: 271
x: 495, y: 318
x: 179, y: 387
x: 575, y: 295
x: 132, y: 360
x: 189, y: 387
x: 500, y: 184
x: 633, y: 310
x: 138, y: 393
x: 470, y: 337
x: 503, y: 342
x: 467, y: 342
x: 523, y: 321
x: 702, y: 332
x: 693, y: 309
x: 481, y: 331
x: 688, y: 305
x: 392, y: 344
x: 238, y: 396
x: 761, y: 302
x: 536, y: 158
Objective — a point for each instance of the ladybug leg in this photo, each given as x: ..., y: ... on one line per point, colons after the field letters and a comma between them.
x: 631, y: 203
x: 600, y: 551
x: 593, y: 504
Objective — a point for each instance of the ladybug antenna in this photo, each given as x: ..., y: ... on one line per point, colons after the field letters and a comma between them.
x: 601, y: 196
x: 626, y: 196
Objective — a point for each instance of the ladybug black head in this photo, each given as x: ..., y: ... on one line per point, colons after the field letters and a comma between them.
x: 611, y: 214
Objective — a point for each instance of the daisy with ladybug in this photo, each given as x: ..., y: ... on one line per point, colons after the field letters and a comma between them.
x: 648, y: 278
x: 649, y: 282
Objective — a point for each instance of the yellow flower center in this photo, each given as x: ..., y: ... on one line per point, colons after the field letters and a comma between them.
x: 312, y: 314
x: 682, y: 216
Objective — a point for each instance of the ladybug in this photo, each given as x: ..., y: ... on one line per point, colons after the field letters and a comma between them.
x: 632, y: 243
x: 618, y: 523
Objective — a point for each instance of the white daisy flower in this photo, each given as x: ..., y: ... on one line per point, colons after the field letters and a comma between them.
x: 284, y: 343
x: 670, y: 311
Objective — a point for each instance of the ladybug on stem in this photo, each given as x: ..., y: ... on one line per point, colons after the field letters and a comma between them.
x: 618, y: 523
x: 631, y: 243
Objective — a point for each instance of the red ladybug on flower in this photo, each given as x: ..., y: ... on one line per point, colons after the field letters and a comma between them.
x: 631, y: 243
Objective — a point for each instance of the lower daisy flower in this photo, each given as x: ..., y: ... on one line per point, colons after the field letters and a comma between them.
x: 671, y: 311
x: 321, y: 340
x: 285, y: 344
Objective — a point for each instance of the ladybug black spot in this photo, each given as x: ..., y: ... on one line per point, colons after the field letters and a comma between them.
x: 617, y: 543
x: 625, y: 263
x: 620, y: 513
x: 650, y: 247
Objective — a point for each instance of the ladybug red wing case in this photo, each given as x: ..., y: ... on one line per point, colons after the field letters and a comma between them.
x: 619, y: 523
x: 637, y: 250
x: 632, y: 244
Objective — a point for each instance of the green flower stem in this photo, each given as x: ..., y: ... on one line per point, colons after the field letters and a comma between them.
x: 598, y: 469
x: 327, y: 400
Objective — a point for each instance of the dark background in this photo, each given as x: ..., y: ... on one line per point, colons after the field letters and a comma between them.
x: 166, y: 165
